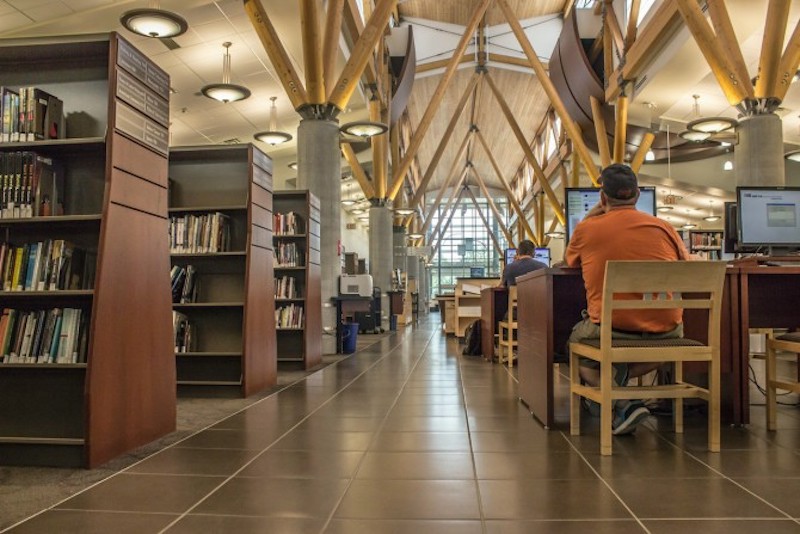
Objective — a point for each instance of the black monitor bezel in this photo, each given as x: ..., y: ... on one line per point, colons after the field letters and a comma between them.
x: 568, y: 232
x: 742, y: 244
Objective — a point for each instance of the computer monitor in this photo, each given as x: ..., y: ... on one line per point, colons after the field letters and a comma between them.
x: 542, y: 254
x: 510, y: 255
x: 579, y: 200
x: 769, y: 216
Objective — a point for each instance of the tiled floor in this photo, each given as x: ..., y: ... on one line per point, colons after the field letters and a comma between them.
x: 411, y: 437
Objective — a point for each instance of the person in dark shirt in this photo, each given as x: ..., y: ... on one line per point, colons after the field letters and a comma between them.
x: 523, y: 263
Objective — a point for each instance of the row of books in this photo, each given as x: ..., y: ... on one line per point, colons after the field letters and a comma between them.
x: 58, y: 335
x: 290, y: 316
x: 286, y: 288
x: 184, y: 284
x: 50, y: 265
x: 32, y: 186
x: 706, y: 240
x: 288, y: 255
x: 182, y: 331
x: 30, y: 114
x: 287, y: 223
x: 206, y: 233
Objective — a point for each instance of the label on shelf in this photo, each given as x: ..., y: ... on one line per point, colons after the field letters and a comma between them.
x: 141, y: 98
x: 131, y: 122
x: 142, y: 68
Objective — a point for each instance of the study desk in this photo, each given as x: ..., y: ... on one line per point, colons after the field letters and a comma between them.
x: 549, y: 303
x: 494, y: 304
x: 447, y: 308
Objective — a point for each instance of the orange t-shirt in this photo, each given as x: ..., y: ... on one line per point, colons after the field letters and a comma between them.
x: 624, y: 234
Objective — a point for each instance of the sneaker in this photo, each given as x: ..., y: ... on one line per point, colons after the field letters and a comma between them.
x: 628, y: 418
x: 591, y: 406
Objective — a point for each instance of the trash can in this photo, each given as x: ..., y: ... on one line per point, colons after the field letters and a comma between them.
x: 349, y: 337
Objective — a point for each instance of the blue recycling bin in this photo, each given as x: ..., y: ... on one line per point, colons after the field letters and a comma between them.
x: 349, y: 337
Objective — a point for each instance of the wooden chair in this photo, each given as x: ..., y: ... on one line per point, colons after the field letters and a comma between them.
x: 655, y: 280
x: 507, y: 330
x: 789, y: 343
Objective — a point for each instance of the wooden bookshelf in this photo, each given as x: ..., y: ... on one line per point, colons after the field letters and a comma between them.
x: 301, y: 344
x: 706, y: 243
x: 114, y: 171
x: 233, y: 350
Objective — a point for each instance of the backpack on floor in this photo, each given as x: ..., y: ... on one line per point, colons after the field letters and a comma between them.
x: 472, y: 338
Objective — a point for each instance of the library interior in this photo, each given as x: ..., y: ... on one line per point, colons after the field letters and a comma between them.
x: 399, y: 266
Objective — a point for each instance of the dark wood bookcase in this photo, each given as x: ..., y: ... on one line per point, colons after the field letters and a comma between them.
x: 114, y: 166
x: 232, y: 318
x: 303, y: 345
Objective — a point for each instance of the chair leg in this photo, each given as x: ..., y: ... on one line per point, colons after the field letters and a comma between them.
x: 714, y: 386
x: 677, y: 404
x: 772, y: 416
x: 574, y: 398
x: 606, y: 408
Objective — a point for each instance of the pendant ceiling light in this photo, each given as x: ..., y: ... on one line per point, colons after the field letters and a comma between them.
x: 711, y: 217
x: 154, y: 22
x: 403, y: 211
x: 701, y: 128
x: 415, y: 235
x: 273, y: 136
x: 226, y: 91
x: 364, y: 129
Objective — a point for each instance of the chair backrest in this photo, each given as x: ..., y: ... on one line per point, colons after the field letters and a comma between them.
x: 512, y: 296
x: 664, y: 285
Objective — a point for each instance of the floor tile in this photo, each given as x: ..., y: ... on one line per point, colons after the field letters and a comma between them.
x: 86, y: 522
x: 410, y: 499
x: 672, y: 463
x: 220, y: 524
x: 304, y: 464
x: 422, y: 441
x: 425, y: 424
x: 256, y: 439
x: 783, y: 493
x: 357, y: 526
x: 144, y: 493
x: 334, y: 441
x: 182, y: 461
x: 294, y: 498
x: 417, y: 465
x: 722, y: 526
x: 615, y: 526
x: 519, y: 441
x: 529, y: 465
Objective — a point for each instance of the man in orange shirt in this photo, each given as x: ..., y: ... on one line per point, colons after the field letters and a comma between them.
x: 616, y: 230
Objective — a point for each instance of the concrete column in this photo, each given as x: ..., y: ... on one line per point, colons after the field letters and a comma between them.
x: 422, y: 276
x: 399, y: 240
x: 319, y: 169
x: 381, y: 244
x: 758, y: 157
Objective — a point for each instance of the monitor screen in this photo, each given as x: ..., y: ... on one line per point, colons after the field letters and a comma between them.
x: 511, y: 254
x: 543, y: 255
x: 581, y: 199
x: 769, y: 216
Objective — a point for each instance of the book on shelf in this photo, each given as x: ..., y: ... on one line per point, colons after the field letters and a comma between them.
x: 30, y: 114
x: 31, y: 185
x: 706, y: 239
x: 289, y: 316
x: 289, y: 223
x: 184, y: 284
x: 286, y: 288
x: 49, y: 265
x: 204, y: 233
x: 57, y: 335
x: 288, y: 255
x: 183, y: 332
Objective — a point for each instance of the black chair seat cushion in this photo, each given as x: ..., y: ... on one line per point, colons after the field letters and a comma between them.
x: 646, y: 343
x: 791, y: 336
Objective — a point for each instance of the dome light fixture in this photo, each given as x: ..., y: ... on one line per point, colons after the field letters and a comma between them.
x: 154, y: 22
x: 273, y: 136
x: 348, y: 201
x: 650, y: 155
x: 694, y: 136
x: 794, y: 155
x: 663, y: 209
x: 226, y: 91
x: 728, y: 165
x: 554, y: 235
x: 689, y: 226
x: 293, y: 165
x: 415, y: 235
x: 711, y: 217
x: 404, y: 211
x: 701, y: 128
x: 364, y: 129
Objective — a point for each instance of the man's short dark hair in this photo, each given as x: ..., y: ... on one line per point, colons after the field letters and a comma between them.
x: 619, y: 182
x: 526, y: 248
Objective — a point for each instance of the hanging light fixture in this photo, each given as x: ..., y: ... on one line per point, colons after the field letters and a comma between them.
x: 554, y: 235
x: 403, y: 211
x: 711, y: 217
x: 154, y: 22
x: 728, y: 165
x: 273, y: 136
x: 348, y: 201
x: 650, y: 155
x: 415, y: 235
x: 293, y: 165
x: 689, y: 226
x: 701, y: 128
x: 364, y: 129
x: 226, y: 91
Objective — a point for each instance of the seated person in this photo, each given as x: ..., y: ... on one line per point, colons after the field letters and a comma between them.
x: 615, y: 230
x: 522, y: 264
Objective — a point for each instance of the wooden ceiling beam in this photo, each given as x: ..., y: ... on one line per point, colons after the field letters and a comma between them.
x: 496, y: 241
x: 448, y: 133
x: 712, y: 50
x: 277, y: 53
x: 497, y: 215
x: 723, y: 28
x: 537, y: 169
x: 633, y: 19
x: 769, y: 63
x: 553, y: 225
x: 442, y: 63
x: 641, y: 152
x: 450, y: 175
x: 358, y: 171
x: 600, y: 132
x: 790, y: 60
x: 511, y: 60
x: 663, y: 24
x: 330, y: 42
x: 549, y: 89
x: 312, y: 52
x: 620, y: 129
x: 355, y: 26
x: 540, y: 219
x: 511, y: 198
x: 613, y: 24
x: 380, y: 162
x: 433, y: 106
x: 361, y: 54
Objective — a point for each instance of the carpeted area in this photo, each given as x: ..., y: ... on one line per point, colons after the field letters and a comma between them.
x: 25, y: 491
